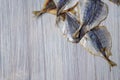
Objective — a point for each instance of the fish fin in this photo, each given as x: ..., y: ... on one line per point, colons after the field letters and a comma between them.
x: 53, y: 11
x: 49, y: 6
x: 38, y: 13
x: 48, y: 3
x: 111, y: 63
x: 108, y: 53
x: 94, y: 54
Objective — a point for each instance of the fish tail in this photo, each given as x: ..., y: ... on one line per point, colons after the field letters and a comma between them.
x: 39, y: 13
x: 112, y: 64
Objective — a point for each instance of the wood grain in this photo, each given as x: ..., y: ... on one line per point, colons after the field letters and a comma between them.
x: 34, y: 49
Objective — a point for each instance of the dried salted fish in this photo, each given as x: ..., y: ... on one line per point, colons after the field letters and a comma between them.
x: 93, y: 12
x: 69, y: 26
x: 84, y: 27
x: 49, y: 7
x: 64, y: 5
x: 115, y: 1
x: 68, y: 22
x: 98, y: 42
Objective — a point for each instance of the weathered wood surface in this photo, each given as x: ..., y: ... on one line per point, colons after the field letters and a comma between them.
x: 34, y: 49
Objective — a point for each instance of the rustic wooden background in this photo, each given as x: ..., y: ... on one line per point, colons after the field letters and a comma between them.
x: 34, y: 49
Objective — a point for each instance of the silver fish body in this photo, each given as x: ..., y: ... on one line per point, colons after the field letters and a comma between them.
x: 98, y: 42
x: 69, y: 26
x: 93, y: 12
x: 84, y: 27
x: 64, y: 5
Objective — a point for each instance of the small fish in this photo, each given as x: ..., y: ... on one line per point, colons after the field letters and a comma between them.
x: 64, y: 5
x: 68, y: 23
x: 98, y: 42
x: 69, y: 26
x: 49, y: 7
x: 116, y: 2
x: 93, y: 12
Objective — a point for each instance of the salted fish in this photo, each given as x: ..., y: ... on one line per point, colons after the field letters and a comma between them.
x: 93, y: 12
x: 68, y: 27
x: 98, y: 42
